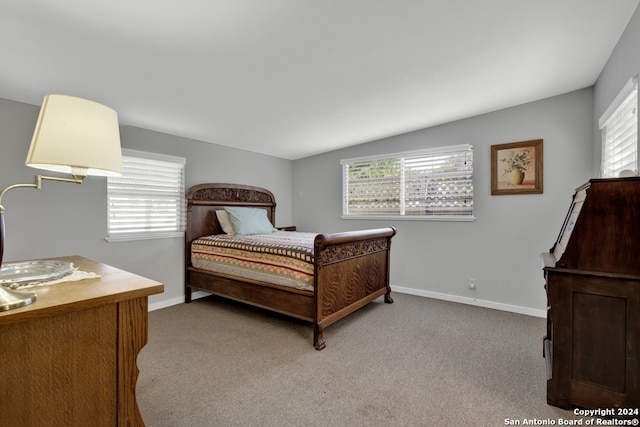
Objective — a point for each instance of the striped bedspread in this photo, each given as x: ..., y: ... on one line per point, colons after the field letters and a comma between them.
x: 281, y: 258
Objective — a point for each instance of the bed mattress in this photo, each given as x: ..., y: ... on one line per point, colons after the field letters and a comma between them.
x: 281, y: 258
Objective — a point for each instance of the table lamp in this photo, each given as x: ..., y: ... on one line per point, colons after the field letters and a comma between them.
x: 75, y: 136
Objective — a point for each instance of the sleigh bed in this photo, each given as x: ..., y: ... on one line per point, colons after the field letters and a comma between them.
x: 346, y: 270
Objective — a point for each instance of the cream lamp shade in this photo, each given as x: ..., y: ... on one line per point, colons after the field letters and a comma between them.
x: 76, y: 136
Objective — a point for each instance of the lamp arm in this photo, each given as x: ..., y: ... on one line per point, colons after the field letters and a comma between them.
x: 77, y: 179
x: 11, y: 187
x: 38, y: 184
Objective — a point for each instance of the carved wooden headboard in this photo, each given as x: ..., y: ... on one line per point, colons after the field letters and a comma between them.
x: 204, y: 199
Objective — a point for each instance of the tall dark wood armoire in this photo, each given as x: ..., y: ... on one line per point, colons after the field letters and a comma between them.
x: 592, y: 273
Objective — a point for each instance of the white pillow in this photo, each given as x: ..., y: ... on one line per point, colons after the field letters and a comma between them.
x: 225, y: 222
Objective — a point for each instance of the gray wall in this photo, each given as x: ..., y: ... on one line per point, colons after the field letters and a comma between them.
x: 623, y: 63
x: 501, y: 248
x: 66, y: 219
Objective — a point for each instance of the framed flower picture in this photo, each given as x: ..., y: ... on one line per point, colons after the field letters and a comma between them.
x: 516, y: 168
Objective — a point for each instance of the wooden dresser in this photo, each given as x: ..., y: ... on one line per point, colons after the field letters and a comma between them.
x: 69, y: 359
x: 592, y: 276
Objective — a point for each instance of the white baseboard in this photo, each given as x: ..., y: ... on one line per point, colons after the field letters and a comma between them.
x: 399, y: 289
x: 176, y: 301
x: 471, y: 301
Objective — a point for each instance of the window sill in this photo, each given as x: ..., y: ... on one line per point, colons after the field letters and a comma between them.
x: 150, y: 236
x: 411, y: 218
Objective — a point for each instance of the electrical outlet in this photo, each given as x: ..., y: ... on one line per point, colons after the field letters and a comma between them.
x: 472, y: 283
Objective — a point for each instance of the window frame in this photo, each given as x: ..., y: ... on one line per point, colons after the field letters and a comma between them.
x: 614, y: 113
x: 400, y: 156
x: 177, y: 163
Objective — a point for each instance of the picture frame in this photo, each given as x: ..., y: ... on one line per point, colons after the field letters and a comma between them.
x: 516, y: 168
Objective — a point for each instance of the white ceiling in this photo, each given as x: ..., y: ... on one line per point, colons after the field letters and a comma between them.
x: 294, y: 78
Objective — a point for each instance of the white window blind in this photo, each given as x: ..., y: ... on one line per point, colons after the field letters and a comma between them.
x: 619, y: 125
x: 148, y: 201
x: 426, y: 184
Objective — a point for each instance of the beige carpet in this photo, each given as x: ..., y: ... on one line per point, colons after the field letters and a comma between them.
x: 417, y: 362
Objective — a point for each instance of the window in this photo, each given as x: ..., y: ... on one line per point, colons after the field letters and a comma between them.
x: 619, y: 125
x: 427, y: 184
x: 148, y: 201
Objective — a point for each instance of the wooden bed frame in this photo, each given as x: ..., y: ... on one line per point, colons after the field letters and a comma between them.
x: 351, y: 269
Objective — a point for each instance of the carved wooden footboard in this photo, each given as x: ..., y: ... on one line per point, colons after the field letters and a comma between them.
x: 351, y: 269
